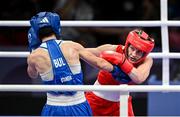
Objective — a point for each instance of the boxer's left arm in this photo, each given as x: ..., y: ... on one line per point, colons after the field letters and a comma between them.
x: 141, y: 73
x: 32, y: 72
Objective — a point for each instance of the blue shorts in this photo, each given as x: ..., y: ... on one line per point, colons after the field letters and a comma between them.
x: 82, y: 109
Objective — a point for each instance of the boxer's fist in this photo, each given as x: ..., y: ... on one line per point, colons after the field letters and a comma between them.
x: 119, y: 75
x: 113, y: 57
x: 117, y: 59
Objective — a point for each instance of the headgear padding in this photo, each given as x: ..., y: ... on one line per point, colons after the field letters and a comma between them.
x: 33, y: 41
x: 140, y: 40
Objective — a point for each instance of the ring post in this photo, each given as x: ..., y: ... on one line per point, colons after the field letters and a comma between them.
x: 124, y: 95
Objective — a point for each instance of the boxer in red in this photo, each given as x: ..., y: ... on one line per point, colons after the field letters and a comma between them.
x: 135, y: 67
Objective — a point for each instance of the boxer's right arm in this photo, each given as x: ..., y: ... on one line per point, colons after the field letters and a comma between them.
x: 32, y: 72
x: 93, y: 60
x: 96, y: 61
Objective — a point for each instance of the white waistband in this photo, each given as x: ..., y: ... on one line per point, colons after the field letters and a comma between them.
x: 111, y: 96
x: 63, y: 100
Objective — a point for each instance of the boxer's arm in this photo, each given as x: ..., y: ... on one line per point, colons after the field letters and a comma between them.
x: 138, y: 75
x: 92, y: 59
x: 97, y: 51
x: 141, y: 73
x: 32, y: 72
x: 95, y: 61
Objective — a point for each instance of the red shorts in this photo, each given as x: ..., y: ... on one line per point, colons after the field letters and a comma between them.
x: 102, y: 107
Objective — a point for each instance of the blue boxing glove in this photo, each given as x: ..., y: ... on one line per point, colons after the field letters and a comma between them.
x: 33, y: 40
x: 119, y: 75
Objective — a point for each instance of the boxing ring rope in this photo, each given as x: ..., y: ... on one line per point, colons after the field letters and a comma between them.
x: 22, y: 54
x: 121, y: 88
x: 94, y: 23
x: 124, y: 89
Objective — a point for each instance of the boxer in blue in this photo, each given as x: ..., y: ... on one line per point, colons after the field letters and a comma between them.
x: 58, y: 63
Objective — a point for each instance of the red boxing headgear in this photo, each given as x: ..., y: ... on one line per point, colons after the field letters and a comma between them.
x: 140, y: 40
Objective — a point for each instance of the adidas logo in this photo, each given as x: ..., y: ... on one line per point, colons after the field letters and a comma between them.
x: 44, y: 20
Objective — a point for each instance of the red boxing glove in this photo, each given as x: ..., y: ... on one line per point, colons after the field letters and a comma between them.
x: 113, y: 57
x: 117, y: 59
x: 126, y: 66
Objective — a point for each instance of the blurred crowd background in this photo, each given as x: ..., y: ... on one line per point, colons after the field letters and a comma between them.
x: 13, y: 70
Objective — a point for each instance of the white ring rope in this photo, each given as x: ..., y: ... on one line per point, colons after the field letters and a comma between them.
x: 121, y: 88
x: 14, y: 54
x: 25, y: 54
x: 98, y: 23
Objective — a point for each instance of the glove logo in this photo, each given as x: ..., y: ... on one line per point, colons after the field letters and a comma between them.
x: 44, y: 20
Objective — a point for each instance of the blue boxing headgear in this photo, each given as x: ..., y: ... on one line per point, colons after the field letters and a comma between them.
x: 42, y: 19
x: 46, y: 19
x: 33, y: 40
